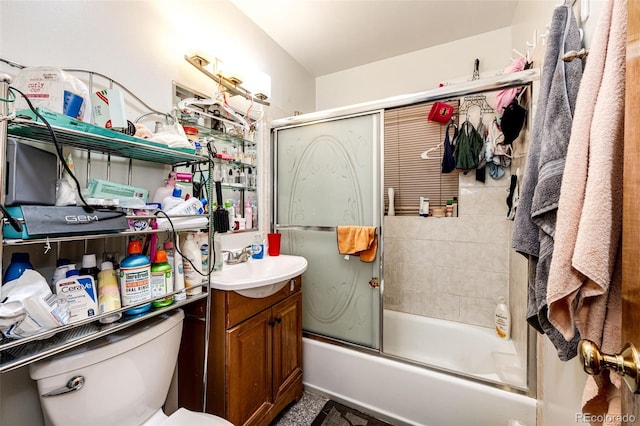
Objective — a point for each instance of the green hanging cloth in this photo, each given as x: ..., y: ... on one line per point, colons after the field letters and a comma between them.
x: 468, y: 147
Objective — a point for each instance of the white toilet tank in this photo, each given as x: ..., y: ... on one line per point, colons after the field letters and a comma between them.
x: 126, y: 375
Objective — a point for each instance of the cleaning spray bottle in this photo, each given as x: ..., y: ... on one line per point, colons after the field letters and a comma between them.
x: 135, y: 279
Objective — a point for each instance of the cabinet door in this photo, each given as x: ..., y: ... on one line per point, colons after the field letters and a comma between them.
x: 287, y: 343
x: 248, y: 374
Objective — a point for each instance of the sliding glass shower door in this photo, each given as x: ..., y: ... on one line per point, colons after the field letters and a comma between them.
x: 326, y: 175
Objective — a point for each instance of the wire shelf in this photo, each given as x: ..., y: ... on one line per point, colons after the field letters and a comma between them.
x: 114, y: 144
x: 17, y: 353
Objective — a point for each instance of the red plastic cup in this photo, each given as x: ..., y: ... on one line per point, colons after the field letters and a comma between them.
x: 274, y: 244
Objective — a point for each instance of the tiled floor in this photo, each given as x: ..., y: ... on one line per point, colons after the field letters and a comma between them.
x: 303, y: 412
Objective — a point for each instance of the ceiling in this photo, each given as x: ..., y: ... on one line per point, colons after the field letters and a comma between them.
x: 326, y: 36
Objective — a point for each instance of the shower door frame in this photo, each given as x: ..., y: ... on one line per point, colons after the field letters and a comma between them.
x: 505, y: 81
x: 378, y: 215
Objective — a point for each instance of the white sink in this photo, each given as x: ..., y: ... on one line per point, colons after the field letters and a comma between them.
x: 259, y: 277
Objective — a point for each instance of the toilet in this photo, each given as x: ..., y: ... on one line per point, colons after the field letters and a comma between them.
x: 126, y: 377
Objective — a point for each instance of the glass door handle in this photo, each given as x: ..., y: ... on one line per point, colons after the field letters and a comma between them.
x: 626, y: 363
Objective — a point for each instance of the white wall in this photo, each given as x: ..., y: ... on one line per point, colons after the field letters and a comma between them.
x: 416, y: 71
x: 141, y: 44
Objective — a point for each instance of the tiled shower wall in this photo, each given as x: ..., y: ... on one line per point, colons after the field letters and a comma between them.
x: 451, y: 268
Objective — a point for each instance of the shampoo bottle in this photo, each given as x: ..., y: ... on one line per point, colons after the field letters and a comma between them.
x: 135, y: 279
x: 108, y: 293
x: 503, y: 320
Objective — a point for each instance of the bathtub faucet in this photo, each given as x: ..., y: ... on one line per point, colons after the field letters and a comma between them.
x: 239, y: 256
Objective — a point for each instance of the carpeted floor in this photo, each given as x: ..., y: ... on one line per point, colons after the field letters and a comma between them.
x: 316, y: 410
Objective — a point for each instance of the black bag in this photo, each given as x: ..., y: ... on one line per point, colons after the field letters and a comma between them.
x: 448, y: 162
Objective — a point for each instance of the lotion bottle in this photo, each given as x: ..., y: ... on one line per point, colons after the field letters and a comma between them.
x: 108, y: 293
x: 503, y: 320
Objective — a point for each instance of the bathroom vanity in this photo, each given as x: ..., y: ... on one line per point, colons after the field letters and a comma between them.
x: 254, y: 367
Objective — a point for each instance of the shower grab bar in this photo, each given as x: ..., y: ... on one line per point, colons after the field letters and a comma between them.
x: 304, y: 228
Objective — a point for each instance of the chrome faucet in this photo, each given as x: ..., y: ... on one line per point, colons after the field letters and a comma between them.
x: 239, y: 256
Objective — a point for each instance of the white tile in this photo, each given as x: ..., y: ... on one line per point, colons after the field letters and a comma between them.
x: 477, y: 311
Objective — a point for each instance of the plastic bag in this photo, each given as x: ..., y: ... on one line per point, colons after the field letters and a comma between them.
x: 29, y: 307
x: 173, y: 136
x: 66, y: 188
x: 53, y: 89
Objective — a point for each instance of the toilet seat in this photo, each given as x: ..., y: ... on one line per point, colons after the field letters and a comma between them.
x: 184, y: 417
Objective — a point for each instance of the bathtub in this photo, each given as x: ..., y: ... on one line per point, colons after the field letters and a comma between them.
x: 405, y: 394
x: 465, y: 349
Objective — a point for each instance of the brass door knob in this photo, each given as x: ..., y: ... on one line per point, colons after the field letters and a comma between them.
x: 626, y: 363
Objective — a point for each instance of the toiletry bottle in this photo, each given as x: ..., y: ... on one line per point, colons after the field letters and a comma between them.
x: 203, y: 243
x: 81, y: 295
x: 217, y: 251
x: 90, y: 266
x: 165, y: 191
x: 135, y: 279
x: 173, y: 200
x: 455, y: 206
x: 257, y: 247
x: 175, y: 260
x: 19, y: 263
x: 192, y: 264
x: 232, y: 214
x: 62, y: 265
x: 421, y: 208
x: 108, y: 293
x: 248, y: 215
x: 503, y: 320
x: 161, y: 280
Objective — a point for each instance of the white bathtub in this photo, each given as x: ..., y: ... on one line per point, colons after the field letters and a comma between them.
x: 466, y: 349
x: 404, y: 394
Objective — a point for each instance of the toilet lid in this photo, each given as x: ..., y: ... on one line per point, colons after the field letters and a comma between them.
x: 184, y: 417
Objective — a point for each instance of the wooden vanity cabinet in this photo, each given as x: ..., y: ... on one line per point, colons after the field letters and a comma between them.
x: 254, y: 365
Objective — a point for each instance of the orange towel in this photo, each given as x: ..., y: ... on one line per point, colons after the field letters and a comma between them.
x: 358, y: 241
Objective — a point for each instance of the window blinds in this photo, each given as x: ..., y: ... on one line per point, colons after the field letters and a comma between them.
x: 408, y: 133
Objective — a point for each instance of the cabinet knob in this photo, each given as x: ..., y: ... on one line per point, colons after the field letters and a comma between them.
x: 626, y: 363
